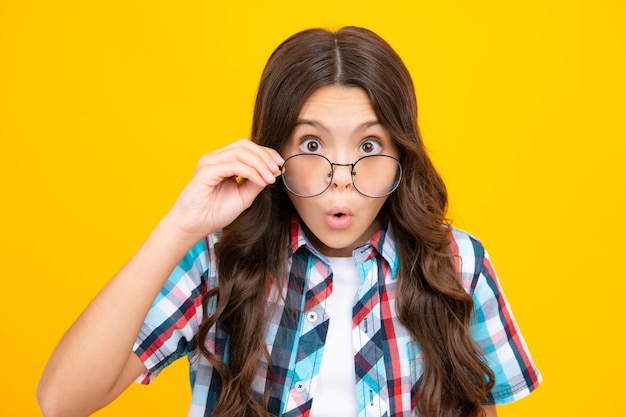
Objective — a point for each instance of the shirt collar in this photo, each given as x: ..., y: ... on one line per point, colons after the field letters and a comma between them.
x: 382, y: 244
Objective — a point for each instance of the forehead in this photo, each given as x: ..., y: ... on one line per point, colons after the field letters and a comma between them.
x: 339, y: 103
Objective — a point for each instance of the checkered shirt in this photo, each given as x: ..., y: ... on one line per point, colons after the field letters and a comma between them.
x: 388, y: 364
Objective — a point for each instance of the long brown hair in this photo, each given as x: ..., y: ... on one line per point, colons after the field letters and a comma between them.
x: 252, y: 254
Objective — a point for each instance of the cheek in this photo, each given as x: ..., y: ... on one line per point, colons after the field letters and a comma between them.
x: 303, y: 206
x: 375, y: 208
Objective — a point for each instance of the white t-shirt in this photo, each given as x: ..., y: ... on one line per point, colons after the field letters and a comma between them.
x: 335, y: 395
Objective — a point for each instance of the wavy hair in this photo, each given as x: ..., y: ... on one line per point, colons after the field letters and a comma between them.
x: 253, y: 254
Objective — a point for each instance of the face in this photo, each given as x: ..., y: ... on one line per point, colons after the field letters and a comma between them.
x: 339, y: 123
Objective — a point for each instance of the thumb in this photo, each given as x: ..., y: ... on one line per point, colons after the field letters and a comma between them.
x: 248, y: 191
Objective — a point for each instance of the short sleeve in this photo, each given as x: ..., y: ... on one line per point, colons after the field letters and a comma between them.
x: 493, y: 326
x: 171, y: 325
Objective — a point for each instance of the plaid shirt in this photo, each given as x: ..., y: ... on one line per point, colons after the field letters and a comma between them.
x: 388, y: 363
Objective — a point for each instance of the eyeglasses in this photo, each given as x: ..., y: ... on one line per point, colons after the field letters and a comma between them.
x: 309, y: 175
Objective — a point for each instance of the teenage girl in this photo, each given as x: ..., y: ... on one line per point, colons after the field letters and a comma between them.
x: 310, y: 271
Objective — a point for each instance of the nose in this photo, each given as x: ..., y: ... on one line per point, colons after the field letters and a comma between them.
x: 342, y: 176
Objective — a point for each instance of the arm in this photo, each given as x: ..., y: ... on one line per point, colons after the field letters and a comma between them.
x: 93, y: 362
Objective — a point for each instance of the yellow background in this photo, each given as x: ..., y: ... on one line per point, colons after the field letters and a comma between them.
x: 105, y: 107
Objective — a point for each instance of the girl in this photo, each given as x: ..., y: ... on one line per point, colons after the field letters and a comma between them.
x: 337, y: 290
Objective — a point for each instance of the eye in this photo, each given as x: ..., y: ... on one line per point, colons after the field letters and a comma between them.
x: 370, y: 146
x: 310, y: 144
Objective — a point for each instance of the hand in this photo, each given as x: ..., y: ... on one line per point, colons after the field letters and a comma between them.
x: 215, y: 197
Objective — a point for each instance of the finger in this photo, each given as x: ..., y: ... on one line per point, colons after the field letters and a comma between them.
x: 249, y: 191
x: 242, y: 160
x: 272, y: 158
x: 213, y: 174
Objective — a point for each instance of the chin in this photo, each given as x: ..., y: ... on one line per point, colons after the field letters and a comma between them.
x: 337, y: 248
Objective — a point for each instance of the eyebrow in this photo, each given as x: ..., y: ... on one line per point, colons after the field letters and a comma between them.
x: 318, y: 125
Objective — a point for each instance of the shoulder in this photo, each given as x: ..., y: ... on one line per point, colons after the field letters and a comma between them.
x: 466, y: 246
x: 470, y: 256
x: 196, y: 271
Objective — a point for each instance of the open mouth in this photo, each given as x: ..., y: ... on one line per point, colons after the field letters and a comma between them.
x: 339, y: 212
x: 339, y: 217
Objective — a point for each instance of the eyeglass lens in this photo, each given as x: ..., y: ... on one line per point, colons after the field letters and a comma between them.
x: 308, y: 175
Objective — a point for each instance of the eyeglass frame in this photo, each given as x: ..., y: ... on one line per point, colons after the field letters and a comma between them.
x: 332, y: 174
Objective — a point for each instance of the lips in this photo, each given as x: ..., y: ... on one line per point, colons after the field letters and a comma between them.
x: 339, y: 217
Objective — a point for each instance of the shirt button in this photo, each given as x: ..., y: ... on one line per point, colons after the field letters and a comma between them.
x: 311, y: 316
x: 300, y: 386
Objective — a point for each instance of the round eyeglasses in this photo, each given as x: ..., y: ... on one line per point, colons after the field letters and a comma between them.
x: 309, y: 175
